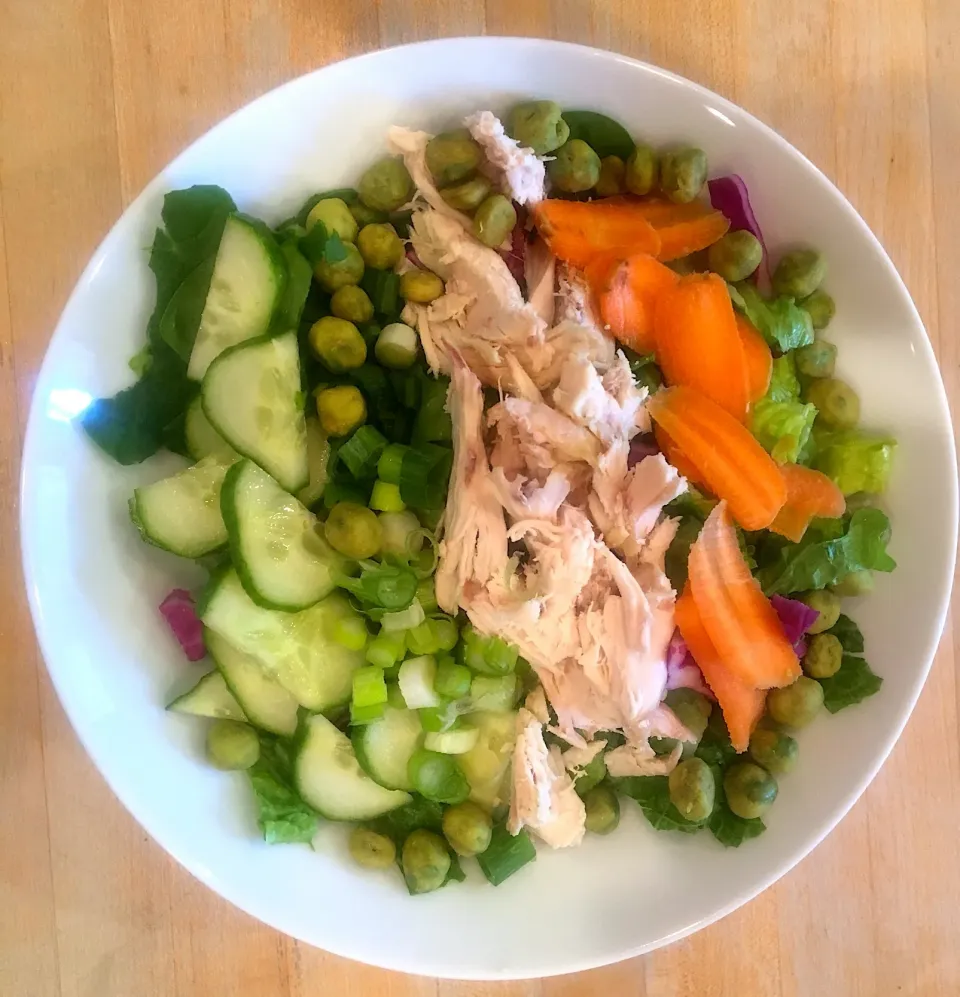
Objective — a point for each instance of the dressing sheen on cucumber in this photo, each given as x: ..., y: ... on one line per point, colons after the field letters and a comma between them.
x: 251, y: 395
x: 202, y: 439
x: 330, y: 779
x: 211, y: 698
x: 385, y: 746
x: 248, y: 279
x: 297, y: 649
x: 282, y: 561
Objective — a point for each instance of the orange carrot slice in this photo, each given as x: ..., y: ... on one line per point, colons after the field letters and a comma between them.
x: 809, y: 494
x: 626, y: 291
x: 742, y: 625
x: 741, y: 704
x: 580, y: 231
x: 683, y: 228
x: 675, y: 456
x: 757, y: 356
x: 728, y: 460
x: 698, y: 344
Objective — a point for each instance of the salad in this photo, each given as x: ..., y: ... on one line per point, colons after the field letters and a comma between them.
x: 525, y: 485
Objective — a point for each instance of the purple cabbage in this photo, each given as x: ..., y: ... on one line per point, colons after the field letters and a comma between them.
x: 730, y: 197
x: 641, y: 447
x: 682, y: 671
x: 181, y: 616
x: 796, y: 618
x: 513, y: 257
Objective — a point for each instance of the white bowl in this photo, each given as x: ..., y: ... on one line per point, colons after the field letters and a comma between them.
x: 94, y: 586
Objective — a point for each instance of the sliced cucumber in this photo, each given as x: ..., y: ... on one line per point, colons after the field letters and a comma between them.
x: 330, y: 779
x: 486, y: 765
x: 181, y: 514
x: 265, y: 702
x: 384, y: 747
x: 248, y: 279
x: 318, y: 457
x: 210, y: 697
x: 202, y: 439
x: 251, y: 395
x: 282, y: 561
x: 298, y: 649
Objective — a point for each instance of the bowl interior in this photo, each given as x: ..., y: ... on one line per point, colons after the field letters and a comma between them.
x: 94, y: 586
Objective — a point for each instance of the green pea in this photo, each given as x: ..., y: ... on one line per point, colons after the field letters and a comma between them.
x: 371, y: 849
x: 469, y: 195
x: 824, y: 656
x: 693, y: 710
x: 494, y: 220
x: 612, y: 172
x: 335, y: 216
x: 386, y: 186
x: 420, y: 286
x: 683, y: 172
x: 692, y: 789
x: 603, y: 810
x: 353, y: 530
x: 538, y: 125
x: 819, y: 359
x: 836, y: 402
x: 380, y: 246
x: 452, y: 156
x: 773, y: 750
x: 820, y: 307
x: 750, y: 790
x: 826, y: 604
x: 364, y: 215
x: 352, y: 303
x: 232, y: 745
x: 799, y: 273
x: 468, y: 828
x: 854, y: 584
x: 643, y: 170
x: 575, y: 168
x: 341, y: 409
x: 338, y: 343
x: 797, y: 704
x: 735, y: 256
x: 425, y: 861
x: 332, y: 276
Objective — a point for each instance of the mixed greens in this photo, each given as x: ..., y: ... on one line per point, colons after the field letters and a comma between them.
x: 283, y: 363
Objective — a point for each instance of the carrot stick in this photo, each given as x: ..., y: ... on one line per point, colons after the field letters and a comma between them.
x: 741, y: 704
x: 809, y: 494
x: 757, y: 356
x: 675, y: 456
x: 683, y: 228
x: 697, y: 341
x: 740, y: 620
x: 626, y: 290
x: 580, y: 231
x: 728, y: 460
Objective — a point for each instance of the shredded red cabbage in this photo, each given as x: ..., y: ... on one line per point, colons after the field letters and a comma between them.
x: 513, y: 257
x: 412, y: 257
x: 796, y: 618
x: 682, y: 671
x: 729, y: 196
x: 181, y: 616
x: 641, y: 447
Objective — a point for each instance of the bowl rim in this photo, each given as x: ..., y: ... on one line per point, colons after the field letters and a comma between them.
x: 35, y: 415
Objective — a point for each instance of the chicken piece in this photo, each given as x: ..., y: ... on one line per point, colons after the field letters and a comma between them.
x: 545, y: 437
x: 523, y: 498
x: 651, y: 484
x: 412, y: 146
x: 474, y: 546
x: 543, y: 795
x: 611, y: 407
x: 521, y: 173
x: 654, y: 551
x: 536, y: 703
x: 638, y: 758
x: 540, y: 274
x: 579, y: 756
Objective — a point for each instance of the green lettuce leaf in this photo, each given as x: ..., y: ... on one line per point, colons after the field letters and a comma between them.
x: 852, y: 684
x: 829, y: 550
x: 854, y: 461
x: 652, y: 793
x: 780, y: 421
x: 848, y: 633
x: 282, y: 816
x: 782, y: 323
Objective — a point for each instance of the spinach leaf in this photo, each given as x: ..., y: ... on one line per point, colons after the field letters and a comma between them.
x: 418, y: 813
x: 852, y: 684
x: 651, y: 792
x: 299, y: 278
x: 729, y: 829
x: 281, y: 815
x: 829, y: 550
x: 782, y: 323
x: 321, y: 246
x: 849, y: 635
x: 715, y: 747
x: 604, y: 135
x: 678, y: 553
x: 644, y: 369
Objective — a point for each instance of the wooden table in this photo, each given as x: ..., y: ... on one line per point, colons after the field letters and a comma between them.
x: 95, y: 96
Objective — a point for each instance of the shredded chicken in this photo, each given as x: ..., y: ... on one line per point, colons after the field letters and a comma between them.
x: 521, y: 173
x: 611, y: 406
x: 540, y: 274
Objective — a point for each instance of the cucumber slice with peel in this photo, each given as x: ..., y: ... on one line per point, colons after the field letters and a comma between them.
x: 251, y: 395
x: 329, y: 778
x: 211, y: 698
x: 281, y: 558
x: 385, y: 746
x: 318, y: 459
x: 248, y: 279
x: 202, y: 439
x: 181, y: 514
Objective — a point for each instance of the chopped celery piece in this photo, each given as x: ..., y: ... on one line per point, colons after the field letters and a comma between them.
x: 406, y: 619
x: 452, y: 680
x: 386, y: 497
x: 427, y: 596
x: 422, y: 639
x: 369, y: 687
x: 362, y: 451
x: 391, y: 460
x: 495, y: 693
x: 366, y: 714
x: 387, y: 648
x: 487, y: 655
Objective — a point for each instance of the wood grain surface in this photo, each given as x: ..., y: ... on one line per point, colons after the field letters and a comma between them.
x: 95, y: 97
